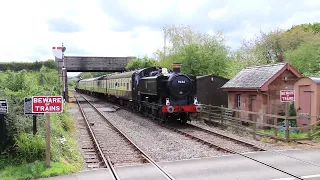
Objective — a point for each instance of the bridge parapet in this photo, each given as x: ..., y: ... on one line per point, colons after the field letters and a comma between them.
x: 94, y: 64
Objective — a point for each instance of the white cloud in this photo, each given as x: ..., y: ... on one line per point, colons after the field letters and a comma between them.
x: 216, y: 14
x: 25, y: 33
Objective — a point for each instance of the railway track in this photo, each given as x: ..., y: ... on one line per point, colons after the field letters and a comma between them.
x: 226, y: 149
x: 112, y: 145
x: 99, y: 158
x: 226, y: 138
x: 192, y: 130
x: 209, y: 137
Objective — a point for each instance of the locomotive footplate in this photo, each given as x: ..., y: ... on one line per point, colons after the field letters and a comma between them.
x: 184, y: 108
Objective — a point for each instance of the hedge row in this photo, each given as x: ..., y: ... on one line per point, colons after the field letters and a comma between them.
x: 33, y: 66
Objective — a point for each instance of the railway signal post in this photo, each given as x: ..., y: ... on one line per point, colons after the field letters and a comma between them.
x: 64, y: 74
x: 47, y: 104
x: 59, y: 53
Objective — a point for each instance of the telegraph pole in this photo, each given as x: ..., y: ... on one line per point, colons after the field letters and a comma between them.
x: 165, y: 40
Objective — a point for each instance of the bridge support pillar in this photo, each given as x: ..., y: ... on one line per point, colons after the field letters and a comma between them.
x: 64, y: 84
x: 65, y: 88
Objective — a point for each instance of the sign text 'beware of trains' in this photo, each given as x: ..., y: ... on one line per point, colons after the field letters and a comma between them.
x: 47, y: 104
x: 287, y: 95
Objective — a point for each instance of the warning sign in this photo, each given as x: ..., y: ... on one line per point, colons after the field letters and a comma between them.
x: 287, y: 95
x: 28, y: 107
x: 3, y: 106
x: 47, y: 104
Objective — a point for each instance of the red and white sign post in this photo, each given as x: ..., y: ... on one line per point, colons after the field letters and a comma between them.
x: 287, y: 96
x: 47, y: 105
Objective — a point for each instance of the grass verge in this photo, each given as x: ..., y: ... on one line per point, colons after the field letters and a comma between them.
x: 29, y: 162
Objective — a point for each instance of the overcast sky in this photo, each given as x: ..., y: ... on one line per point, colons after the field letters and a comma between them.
x: 134, y: 27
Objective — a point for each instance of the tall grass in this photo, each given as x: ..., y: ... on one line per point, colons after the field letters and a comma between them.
x: 22, y: 155
x: 29, y: 147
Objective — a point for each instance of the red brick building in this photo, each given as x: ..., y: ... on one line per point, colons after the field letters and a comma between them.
x: 258, y: 88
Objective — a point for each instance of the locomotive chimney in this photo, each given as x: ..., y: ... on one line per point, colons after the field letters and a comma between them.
x: 176, y: 67
x: 280, y: 58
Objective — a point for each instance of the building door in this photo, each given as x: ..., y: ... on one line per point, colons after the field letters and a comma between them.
x: 304, y: 104
x: 253, y: 106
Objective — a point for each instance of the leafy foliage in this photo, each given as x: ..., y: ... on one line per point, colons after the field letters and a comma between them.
x: 34, y: 66
x: 199, y: 59
x: 139, y: 63
x: 30, y: 147
x: 299, y: 46
x: 35, y: 170
x: 19, y: 146
x: 85, y: 75
x: 199, y: 53
x: 315, y: 27
x: 306, y: 58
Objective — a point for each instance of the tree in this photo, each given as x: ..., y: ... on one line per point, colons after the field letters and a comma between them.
x: 84, y: 75
x: 199, y: 53
x: 139, y: 63
x: 306, y: 58
x: 315, y: 27
x: 270, y: 47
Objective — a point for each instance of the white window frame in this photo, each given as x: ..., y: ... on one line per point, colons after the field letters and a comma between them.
x: 238, y: 100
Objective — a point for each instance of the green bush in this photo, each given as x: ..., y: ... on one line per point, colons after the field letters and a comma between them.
x: 35, y: 170
x: 19, y: 145
x: 67, y: 122
x: 29, y: 147
x: 33, y: 66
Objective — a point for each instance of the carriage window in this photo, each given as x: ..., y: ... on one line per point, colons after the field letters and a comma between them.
x: 127, y: 86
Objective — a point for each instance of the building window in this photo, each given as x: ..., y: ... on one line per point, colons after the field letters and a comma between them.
x: 238, y: 100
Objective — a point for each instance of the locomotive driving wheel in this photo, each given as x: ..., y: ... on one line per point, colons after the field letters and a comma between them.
x: 163, y: 117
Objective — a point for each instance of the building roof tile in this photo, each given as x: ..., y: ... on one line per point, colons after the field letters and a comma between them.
x: 315, y: 79
x: 254, y: 77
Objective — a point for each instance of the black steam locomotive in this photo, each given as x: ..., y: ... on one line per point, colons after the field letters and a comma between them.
x: 160, y: 92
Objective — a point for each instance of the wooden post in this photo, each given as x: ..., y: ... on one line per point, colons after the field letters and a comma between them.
x: 221, y: 117
x: 47, y: 137
x: 287, y: 122
x: 275, y: 130
x: 309, y: 127
x: 2, y: 129
x: 254, y: 126
x: 237, y: 122
x: 34, y: 117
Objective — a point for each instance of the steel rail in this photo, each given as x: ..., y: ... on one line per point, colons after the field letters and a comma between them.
x: 150, y: 160
x: 252, y: 145
x: 106, y: 160
x: 232, y: 139
x: 221, y: 148
x: 229, y: 150
x: 218, y: 147
x: 227, y: 137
